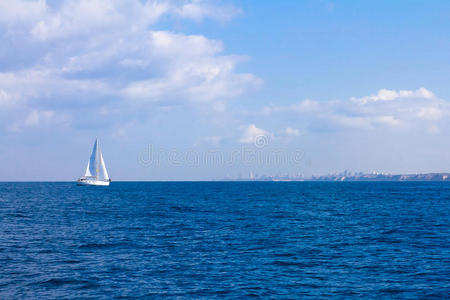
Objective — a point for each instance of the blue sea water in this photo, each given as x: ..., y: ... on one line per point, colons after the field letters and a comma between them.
x: 225, y: 240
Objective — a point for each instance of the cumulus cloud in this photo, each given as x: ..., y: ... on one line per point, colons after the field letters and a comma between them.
x: 53, y: 20
x: 101, y: 55
x: 252, y: 133
x: 193, y: 70
x: 387, y: 108
x: 389, y: 95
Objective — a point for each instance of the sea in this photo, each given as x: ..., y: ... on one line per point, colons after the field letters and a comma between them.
x: 227, y: 240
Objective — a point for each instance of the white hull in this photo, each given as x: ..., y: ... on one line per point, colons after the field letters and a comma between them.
x: 93, y: 182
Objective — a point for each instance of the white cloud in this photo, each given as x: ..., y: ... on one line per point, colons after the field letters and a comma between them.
x: 389, y: 95
x: 83, y: 17
x: 101, y: 53
x: 198, y: 10
x: 306, y: 105
x: 15, y: 11
x: 5, y: 100
x: 252, y: 133
x: 387, y: 120
x: 193, y: 70
x: 434, y: 113
x: 291, y: 132
x: 63, y: 19
x: 388, y: 108
x: 35, y: 117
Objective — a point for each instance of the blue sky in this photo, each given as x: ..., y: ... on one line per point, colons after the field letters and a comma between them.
x: 199, y: 90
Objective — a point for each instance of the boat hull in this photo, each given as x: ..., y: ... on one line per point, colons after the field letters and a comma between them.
x: 93, y: 183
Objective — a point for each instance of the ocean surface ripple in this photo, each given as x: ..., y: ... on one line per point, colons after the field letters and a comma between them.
x: 208, y: 240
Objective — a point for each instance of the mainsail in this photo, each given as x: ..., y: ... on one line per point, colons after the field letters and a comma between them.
x: 96, y: 165
x: 103, y: 173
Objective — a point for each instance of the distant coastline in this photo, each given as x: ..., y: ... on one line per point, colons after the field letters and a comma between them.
x: 352, y: 177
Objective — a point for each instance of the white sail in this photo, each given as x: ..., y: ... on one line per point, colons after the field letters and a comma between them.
x: 87, y: 173
x: 103, y: 173
x: 96, y: 173
x: 93, y: 161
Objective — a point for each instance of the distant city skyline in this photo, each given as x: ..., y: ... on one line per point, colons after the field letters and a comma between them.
x: 204, y: 90
x: 344, y: 176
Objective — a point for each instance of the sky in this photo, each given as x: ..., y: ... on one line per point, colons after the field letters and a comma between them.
x: 206, y: 90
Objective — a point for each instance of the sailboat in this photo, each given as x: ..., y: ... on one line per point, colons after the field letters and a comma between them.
x: 96, y: 173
